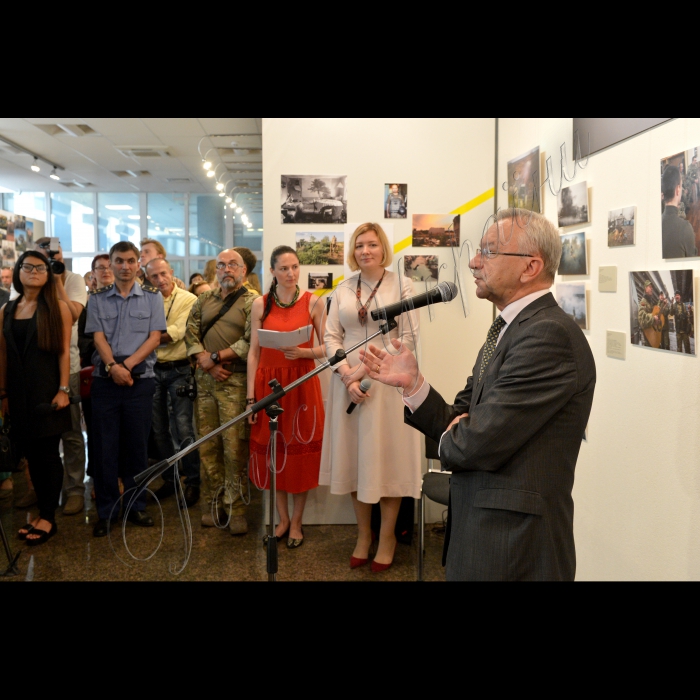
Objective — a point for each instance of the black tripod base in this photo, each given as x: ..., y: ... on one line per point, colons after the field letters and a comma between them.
x: 12, y: 569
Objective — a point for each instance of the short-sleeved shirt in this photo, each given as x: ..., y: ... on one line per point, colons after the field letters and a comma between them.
x: 76, y: 290
x: 125, y: 321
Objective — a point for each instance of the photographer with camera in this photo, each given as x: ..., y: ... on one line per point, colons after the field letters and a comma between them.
x: 127, y: 321
x: 71, y: 289
x: 174, y: 376
x: 218, y: 337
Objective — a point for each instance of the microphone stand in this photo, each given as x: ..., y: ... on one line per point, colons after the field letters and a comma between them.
x: 270, y: 406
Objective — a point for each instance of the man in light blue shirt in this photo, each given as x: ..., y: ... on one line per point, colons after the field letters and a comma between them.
x: 126, y: 320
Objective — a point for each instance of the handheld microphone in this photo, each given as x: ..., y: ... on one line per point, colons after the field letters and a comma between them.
x: 44, y: 409
x: 365, y: 384
x: 445, y: 291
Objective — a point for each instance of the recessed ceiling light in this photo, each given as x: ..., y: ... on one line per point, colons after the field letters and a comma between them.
x: 238, y: 210
x: 210, y: 173
x: 206, y: 165
x: 228, y: 200
x: 222, y: 194
x: 117, y: 207
x: 219, y: 185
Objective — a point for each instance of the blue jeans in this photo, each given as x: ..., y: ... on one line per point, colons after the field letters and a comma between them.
x: 167, y: 381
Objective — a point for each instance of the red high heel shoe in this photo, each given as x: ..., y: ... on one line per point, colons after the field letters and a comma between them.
x: 355, y: 562
x: 376, y: 567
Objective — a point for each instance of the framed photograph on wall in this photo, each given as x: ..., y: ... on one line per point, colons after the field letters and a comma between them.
x: 574, y: 258
x: 421, y: 268
x: 524, y: 181
x: 571, y: 297
x: 320, y: 248
x: 313, y: 199
x: 395, y: 201
x: 435, y: 231
x: 621, y: 227
x: 572, y: 205
x: 662, y: 310
x: 680, y: 205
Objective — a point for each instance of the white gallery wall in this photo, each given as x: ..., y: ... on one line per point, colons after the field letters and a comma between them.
x: 637, y: 488
x: 446, y: 163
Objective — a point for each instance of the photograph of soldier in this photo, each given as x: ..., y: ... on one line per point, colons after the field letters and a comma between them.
x: 9, y: 255
x: 395, y: 201
x: 435, y: 230
x: 572, y: 205
x: 524, y: 181
x: 320, y: 280
x: 574, y: 260
x: 421, y: 268
x: 317, y: 248
x: 680, y: 205
x: 572, y: 299
x: 661, y: 310
x: 313, y: 199
x: 621, y: 226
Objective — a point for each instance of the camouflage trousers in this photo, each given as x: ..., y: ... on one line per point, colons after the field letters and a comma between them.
x: 683, y: 342
x: 224, y: 458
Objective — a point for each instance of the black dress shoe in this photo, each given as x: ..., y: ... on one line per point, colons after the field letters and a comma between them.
x: 191, y: 495
x: 140, y: 518
x: 102, y: 527
x: 167, y: 489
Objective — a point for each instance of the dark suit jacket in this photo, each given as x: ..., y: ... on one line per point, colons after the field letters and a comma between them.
x: 512, y: 461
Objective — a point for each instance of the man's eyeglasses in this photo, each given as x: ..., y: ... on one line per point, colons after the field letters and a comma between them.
x: 28, y: 267
x: 101, y: 268
x: 490, y: 254
x: 231, y: 265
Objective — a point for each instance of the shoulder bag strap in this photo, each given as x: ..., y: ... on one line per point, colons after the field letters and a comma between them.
x: 228, y: 303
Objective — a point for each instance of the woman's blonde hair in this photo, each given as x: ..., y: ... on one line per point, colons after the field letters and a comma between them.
x: 383, y: 240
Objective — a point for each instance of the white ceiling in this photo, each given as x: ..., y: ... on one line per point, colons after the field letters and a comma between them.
x: 94, y: 153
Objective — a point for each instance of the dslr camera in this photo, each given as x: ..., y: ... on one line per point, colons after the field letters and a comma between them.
x: 51, y: 250
x: 189, y: 390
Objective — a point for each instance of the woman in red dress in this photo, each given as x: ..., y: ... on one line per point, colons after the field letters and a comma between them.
x: 300, y: 427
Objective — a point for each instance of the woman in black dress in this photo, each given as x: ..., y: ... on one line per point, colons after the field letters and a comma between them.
x: 34, y: 376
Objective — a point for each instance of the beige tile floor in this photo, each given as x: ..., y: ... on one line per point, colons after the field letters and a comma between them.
x: 159, y: 553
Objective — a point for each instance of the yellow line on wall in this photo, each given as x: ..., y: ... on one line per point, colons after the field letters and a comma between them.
x: 403, y: 244
x: 474, y: 202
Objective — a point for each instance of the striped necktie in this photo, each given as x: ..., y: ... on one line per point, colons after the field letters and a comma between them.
x: 490, y: 344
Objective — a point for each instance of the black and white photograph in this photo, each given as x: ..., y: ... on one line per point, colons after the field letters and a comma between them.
x: 435, y: 230
x: 571, y: 298
x: 320, y: 248
x: 680, y: 205
x: 320, y: 280
x: 395, y: 201
x: 662, y: 310
x: 421, y: 268
x: 621, y: 226
x: 9, y: 255
x: 572, y: 205
x: 574, y: 258
x: 524, y: 181
x: 314, y: 199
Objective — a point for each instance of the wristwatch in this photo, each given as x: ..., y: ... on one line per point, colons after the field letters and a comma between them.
x: 108, y: 367
x: 64, y: 389
x: 215, y: 358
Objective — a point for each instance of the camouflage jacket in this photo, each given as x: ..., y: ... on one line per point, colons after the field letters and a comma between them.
x: 680, y: 314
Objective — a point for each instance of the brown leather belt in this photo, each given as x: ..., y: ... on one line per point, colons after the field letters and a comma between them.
x: 172, y: 364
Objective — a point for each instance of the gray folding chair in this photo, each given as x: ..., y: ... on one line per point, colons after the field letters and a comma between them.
x: 436, y: 487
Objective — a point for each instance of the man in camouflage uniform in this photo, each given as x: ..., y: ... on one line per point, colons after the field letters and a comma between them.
x: 645, y: 315
x: 693, y: 181
x: 220, y: 351
x: 682, y: 322
x: 664, y: 309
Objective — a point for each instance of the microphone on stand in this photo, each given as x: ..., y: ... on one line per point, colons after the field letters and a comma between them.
x: 445, y: 291
x: 365, y: 384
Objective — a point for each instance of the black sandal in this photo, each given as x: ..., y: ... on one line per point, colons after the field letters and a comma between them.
x: 23, y: 535
x: 43, y: 535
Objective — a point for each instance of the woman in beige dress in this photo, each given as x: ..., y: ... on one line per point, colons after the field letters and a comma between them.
x: 370, y: 454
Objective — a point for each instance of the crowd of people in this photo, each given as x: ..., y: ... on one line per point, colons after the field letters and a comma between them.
x: 157, y: 365
x: 162, y: 358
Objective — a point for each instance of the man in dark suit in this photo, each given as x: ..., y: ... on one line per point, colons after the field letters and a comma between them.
x: 512, y: 436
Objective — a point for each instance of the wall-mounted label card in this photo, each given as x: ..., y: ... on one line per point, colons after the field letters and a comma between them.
x: 615, y: 344
x: 607, y: 279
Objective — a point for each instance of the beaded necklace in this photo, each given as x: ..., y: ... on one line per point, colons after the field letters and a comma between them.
x: 281, y: 304
x: 362, y: 308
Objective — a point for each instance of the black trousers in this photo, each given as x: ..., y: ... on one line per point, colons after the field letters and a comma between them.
x: 46, y: 470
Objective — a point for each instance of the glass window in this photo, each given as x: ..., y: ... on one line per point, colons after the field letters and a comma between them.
x: 79, y: 264
x: 30, y: 204
x: 118, y: 216
x: 166, y: 223
x: 206, y: 225
x: 73, y: 220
